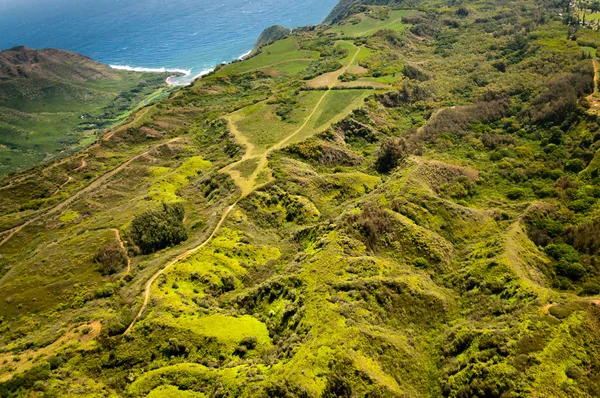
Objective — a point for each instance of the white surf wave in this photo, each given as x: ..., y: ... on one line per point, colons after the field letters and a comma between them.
x: 151, y: 70
x: 184, y: 80
x: 188, y: 78
x: 244, y: 55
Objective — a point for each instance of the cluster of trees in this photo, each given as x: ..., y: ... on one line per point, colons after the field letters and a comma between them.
x: 559, y: 103
x: 155, y: 230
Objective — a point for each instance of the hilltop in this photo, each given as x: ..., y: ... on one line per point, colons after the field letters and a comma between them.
x: 403, y: 203
x: 52, y: 102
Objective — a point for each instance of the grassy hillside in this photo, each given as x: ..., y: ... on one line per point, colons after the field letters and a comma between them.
x: 55, y: 102
x: 403, y: 204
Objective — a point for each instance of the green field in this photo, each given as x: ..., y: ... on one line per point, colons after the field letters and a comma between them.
x: 274, y: 56
x: 366, y: 25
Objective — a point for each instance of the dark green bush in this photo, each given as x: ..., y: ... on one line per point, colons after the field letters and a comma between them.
x: 562, y: 251
x: 391, y: 153
x: 156, y: 229
x: 590, y: 289
x: 111, y: 258
x: 515, y: 194
x: 575, y: 165
x: 570, y: 270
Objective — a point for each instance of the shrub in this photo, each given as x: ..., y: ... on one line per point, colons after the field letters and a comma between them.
x: 575, y: 165
x: 372, y: 224
x: 462, y: 12
x: 250, y: 342
x: 409, y: 93
x: 421, y: 263
x: 562, y: 251
x: 515, y: 194
x: 571, y: 270
x: 559, y: 103
x: 586, y: 237
x: 156, y: 229
x: 391, y: 153
x: 111, y: 258
x: 590, y: 289
x: 494, y: 141
x: 412, y: 72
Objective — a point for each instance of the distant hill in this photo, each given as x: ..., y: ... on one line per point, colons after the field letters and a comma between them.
x: 272, y: 34
x: 29, y: 75
x: 54, y: 101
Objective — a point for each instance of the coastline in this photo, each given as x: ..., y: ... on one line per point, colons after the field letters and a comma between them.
x: 178, y: 73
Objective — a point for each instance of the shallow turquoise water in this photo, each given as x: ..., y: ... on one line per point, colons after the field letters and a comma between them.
x: 191, y: 35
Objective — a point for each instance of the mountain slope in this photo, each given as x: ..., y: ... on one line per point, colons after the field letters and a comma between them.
x: 52, y: 101
x: 403, y: 204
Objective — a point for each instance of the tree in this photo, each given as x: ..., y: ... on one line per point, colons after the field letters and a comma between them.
x: 392, y: 152
x: 462, y: 12
x: 111, y: 258
x: 156, y: 229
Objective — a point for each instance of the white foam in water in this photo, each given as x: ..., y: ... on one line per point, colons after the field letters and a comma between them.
x: 174, y: 80
x: 151, y: 70
x: 244, y: 55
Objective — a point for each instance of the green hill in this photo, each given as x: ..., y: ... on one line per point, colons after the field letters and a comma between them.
x: 54, y: 102
x: 270, y: 35
x: 401, y: 204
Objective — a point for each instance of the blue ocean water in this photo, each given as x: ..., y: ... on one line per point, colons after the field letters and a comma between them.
x: 187, y: 35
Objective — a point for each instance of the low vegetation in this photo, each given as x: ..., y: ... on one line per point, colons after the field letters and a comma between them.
x: 433, y: 235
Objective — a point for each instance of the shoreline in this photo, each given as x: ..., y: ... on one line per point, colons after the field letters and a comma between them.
x: 178, y: 72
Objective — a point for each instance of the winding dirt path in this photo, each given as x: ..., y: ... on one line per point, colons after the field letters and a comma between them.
x: 122, y: 244
x: 69, y: 179
x: 182, y: 256
x: 96, y: 184
x: 247, y: 186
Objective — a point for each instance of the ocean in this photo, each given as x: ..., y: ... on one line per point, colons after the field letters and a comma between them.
x: 189, y: 36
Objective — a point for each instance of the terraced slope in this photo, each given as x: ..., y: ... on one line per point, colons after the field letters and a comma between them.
x: 432, y: 235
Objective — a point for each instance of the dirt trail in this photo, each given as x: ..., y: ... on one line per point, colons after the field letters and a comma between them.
x: 247, y: 185
x: 592, y: 300
x: 82, y: 165
x: 69, y: 179
x: 184, y: 255
x: 593, y: 99
x: 122, y: 244
x: 96, y: 184
x: 26, y: 358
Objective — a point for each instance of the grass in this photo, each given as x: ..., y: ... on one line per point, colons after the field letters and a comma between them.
x: 368, y: 25
x: 166, y: 183
x: 427, y: 281
x: 69, y: 216
x: 247, y: 167
x: 227, y: 329
x: 336, y: 105
x: 273, y: 56
x: 264, y: 128
x: 289, y: 68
